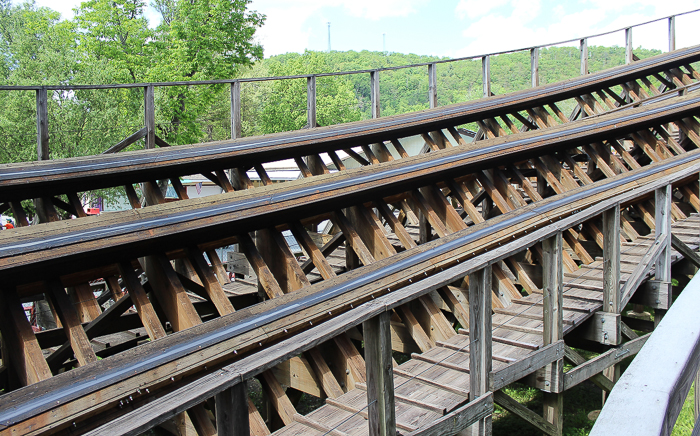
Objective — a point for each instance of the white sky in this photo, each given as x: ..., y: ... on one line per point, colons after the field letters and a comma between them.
x: 454, y: 28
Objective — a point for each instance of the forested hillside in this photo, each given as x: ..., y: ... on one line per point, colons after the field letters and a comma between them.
x: 109, y: 41
x: 281, y: 105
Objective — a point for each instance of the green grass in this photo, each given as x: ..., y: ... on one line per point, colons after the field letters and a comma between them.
x: 578, y: 402
x: 686, y: 421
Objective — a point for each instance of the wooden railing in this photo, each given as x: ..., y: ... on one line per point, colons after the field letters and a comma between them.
x: 235, y: 113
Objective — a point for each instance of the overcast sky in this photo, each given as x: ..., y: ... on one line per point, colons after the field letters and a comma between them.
x: 454, y: 28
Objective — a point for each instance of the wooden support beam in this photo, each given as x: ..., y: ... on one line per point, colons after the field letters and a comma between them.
x: 662, y: 233
x: 257, y: 424
x: 240, y: 179
x: 311, y: 102
x: 148, y: 315
x: 353, y: 359
x: 149, y: 116
x: 352, y: 237
x: 209, y: 281
x: 374, y: 93
x: 590, y: 368
x: 170, y: 293
x: 278, y: 398
x: 552, y: 289
x: 686, y: 251
x: 486, y: 75
x: 280, y: 260
x: 319, y: 260
x: 371, y: 232
x: 24, y: 353
x: 232, y: 411
x: 414, y: 328
x: 71, y: 324
x: 534, y: 66
x: 114, y: 287
x: 218, y: 267
x: 523, y: 412
x: 380, y: 380
x: 323, y: 373
x: 265, y: 277
x: 611, y: 260
x: 432, y: 85
x: 480, y: 352
x: 236, y: 125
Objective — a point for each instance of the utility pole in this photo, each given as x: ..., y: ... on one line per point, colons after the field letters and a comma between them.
x: 384, y: 42
x: 329, y: 37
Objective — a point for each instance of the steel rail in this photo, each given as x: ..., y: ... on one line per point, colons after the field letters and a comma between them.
x: 89, y: 241
x: 35, y: 179
x: 59, y: 390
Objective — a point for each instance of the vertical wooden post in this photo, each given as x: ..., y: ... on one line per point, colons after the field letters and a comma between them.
x: 150, y: 116
x: 552, y: 289
x: 232, y: 411
x: 611, y: 260
x: 374, y: 93
x: 671, y: 33
x: 44, y: 208
x: 42, y: 124
x: 663, y: 236
x: 611, y: 278
x: 311, y: 101
x: 432, y: 85
x: 584, y: 56
x: 236, y: 110
x: 380, y: 376
x: 480, y: 341
x: 535, y: 66
x: 628, y: 45
x: 486, y: 75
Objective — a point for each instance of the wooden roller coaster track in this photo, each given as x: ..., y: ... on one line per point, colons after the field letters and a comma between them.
x: 474, y: 258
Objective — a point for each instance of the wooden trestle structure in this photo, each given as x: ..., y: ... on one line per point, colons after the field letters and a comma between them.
x: 485, y: 261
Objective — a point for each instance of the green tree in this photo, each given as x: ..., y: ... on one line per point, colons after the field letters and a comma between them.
x: 285, y: 105
x: 202, y: 40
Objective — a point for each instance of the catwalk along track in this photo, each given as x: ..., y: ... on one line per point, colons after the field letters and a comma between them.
x: 504, y: 261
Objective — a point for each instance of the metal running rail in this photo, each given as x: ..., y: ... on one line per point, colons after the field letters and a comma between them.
x: 443, y: 177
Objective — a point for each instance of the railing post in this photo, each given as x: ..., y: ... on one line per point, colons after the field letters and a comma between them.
x: 584, y: 56
x: 432, y: 85
x: 628, y: 45
x: 374, y: 93
x: 535, y: 66
x: 236, y: 110
x: 480, y: 351
x: 486, y: 75
x: 611, y: 284
x: 150, y: 116
x: 672, y: 33
x: 553, y: 331
x: 311, y: 101
x: 380, y: 376
x: 42, y: 124
x: 662, y: 233
x: 44, y: 208
x: 232, y: 411
x: 611, y: 260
